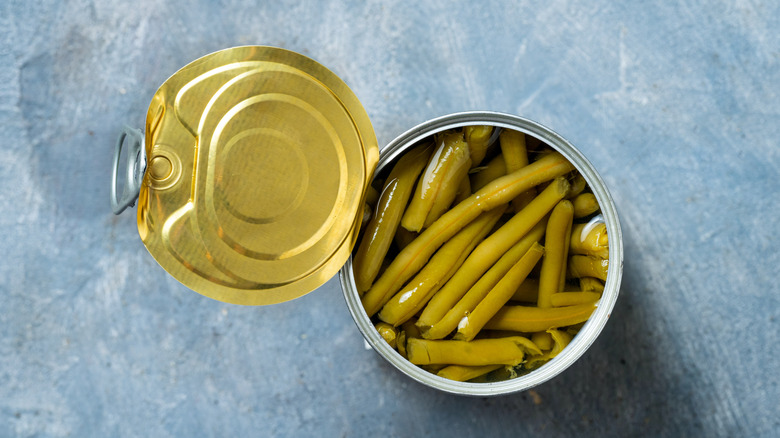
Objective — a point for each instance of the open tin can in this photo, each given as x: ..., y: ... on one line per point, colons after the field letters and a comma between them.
x: 586, y: 336
x: 250, y: 179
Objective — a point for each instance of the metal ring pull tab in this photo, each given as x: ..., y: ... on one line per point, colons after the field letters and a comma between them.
x: 135, y: 168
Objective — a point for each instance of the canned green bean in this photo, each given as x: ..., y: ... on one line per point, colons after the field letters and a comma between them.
x: 587, y: 333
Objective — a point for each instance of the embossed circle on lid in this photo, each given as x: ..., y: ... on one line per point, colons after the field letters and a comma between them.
x: 276, y: 153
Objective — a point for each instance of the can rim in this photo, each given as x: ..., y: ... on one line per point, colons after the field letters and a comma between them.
x: 592, y: 327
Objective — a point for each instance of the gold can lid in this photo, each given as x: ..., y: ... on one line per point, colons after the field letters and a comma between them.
x: 257, y: 162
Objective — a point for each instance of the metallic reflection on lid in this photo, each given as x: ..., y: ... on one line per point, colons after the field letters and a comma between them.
x: 259, y: 158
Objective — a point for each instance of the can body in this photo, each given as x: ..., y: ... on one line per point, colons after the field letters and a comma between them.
x: 589, y: 331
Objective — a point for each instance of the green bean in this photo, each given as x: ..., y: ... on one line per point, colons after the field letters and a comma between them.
x: 543, y: 340
x: 560, y: 340
x: 578, y: 184
x: 462, y: 373
x: 588, y: 266
x: 590, y: 239
x: 513, y: 148
x: 585, y: 204
x: 516, y: 157
x: 556, y: 240
x: 388, y: 333
x: 438, y: 184
x: 380, y: 230
x: 590, y: 284
x: 504, y: 351
x: 477, y: 137
x: 535, y: 319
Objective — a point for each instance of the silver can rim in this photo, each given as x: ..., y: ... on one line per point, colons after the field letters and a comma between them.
x: 592, y: 327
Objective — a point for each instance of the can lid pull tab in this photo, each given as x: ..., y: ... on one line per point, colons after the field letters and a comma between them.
x: 135, y: 168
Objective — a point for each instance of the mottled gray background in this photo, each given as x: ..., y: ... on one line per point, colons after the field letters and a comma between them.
x: 675, y: 103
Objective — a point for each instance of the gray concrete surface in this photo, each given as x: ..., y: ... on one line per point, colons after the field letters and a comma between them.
x: 675, y: 103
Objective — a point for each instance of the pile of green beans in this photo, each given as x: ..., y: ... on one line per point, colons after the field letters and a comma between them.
x: 481, y: 272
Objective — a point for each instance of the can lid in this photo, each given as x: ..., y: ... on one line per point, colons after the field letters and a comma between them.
x: 257, y: 162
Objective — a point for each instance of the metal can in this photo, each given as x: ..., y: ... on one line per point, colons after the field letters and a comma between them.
x: 250, y: 179
x: 592, y: 327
